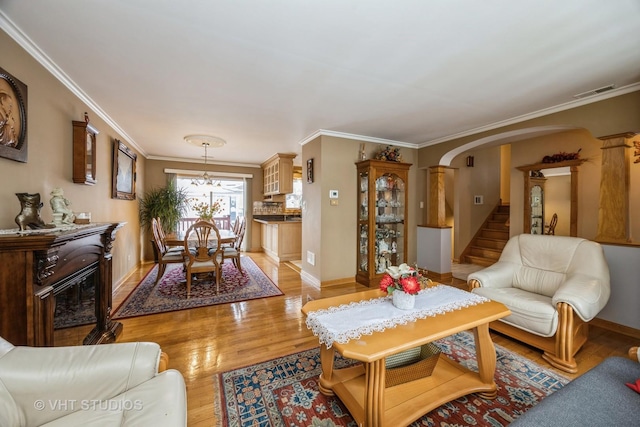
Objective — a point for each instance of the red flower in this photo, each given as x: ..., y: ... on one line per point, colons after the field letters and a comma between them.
x: 385, y: 282
x: 410, y: 284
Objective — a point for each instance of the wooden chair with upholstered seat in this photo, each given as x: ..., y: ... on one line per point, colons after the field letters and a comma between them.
x: 205, y: 252
x: 233, y: 252
x: 165, y: 256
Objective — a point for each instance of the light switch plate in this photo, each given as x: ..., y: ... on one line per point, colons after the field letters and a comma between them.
x: 333, y: 194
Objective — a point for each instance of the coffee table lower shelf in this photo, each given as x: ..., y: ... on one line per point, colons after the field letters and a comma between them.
x: 407, y: 402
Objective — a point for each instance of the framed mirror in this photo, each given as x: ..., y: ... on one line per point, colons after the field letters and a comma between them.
x: 124, y: 172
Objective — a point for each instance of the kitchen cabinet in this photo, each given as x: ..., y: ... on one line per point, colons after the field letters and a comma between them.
x: 281, y: 240
x: 278, y: 174
x: 382, y: 212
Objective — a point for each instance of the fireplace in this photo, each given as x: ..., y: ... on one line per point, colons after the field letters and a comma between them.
x: 50, y: 274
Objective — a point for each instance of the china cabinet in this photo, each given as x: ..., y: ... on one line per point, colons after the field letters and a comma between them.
x: 537, y: 205
x: 382, y: 212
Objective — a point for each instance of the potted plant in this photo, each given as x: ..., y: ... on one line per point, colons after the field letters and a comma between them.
x: 167, y: 203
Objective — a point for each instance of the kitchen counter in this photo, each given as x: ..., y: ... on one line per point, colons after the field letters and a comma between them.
x: 281, y: 239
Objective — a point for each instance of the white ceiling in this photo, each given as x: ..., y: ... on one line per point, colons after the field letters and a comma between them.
x: 268, y: 75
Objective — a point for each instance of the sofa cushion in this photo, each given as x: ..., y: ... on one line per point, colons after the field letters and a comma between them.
x: 596, y: 398
x: 159, y: 402
x: 538, y: 281
x: 532, y: 312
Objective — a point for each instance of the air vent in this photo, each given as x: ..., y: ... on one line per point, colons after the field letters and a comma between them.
x: 594, y: 91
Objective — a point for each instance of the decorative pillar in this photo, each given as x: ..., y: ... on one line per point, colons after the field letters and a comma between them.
x: 434, y: 239
x: 613, y: 211
x: 436, y: 217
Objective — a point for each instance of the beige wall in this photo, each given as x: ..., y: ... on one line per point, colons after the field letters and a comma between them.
x: 51, y: 109
x: 533, y: 150
x: 611, y: 116
x: 334, y: 241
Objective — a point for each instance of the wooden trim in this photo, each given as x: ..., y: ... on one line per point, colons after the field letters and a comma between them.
x: 615, y: 327
x: 163, y: 363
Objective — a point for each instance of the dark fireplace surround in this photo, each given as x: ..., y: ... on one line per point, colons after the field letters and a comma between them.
x: 34, y: 268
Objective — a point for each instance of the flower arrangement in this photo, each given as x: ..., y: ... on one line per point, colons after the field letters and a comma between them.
x: 205, y: 210
x: 389, y: 154
x: 402, y: 278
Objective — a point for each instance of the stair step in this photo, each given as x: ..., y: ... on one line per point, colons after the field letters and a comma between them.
x: 496, y: 225
x: 500, y: 217
x: 490, y: 243
x: 485, y: 262
x: 486, y: 252
x: 495, y: 234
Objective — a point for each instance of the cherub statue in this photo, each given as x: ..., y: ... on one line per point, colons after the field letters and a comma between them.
x: 61, y: 205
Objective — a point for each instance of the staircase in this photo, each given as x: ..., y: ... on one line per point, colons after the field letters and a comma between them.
x: 486, y: 246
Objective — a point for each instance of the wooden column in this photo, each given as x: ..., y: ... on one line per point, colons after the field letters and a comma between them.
x: 436, y: 217
x: 613, y: 212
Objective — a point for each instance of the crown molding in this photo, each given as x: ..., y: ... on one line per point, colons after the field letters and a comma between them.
x: 209, y: 162
x: 544, y: 112
x: 364, y: 138
x: 32, y: 49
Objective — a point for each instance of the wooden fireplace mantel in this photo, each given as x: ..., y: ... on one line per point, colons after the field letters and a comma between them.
x: 33, y: 266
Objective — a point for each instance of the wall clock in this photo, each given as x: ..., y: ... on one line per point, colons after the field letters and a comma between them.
x: 84, y: 152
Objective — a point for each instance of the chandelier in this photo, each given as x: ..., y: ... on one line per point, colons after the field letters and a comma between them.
x: 205, y: 141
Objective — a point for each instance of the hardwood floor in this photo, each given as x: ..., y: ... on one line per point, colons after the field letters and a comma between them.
x: 204, y: 341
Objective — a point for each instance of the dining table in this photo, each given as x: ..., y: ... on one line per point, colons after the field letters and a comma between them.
x: 177, y: 239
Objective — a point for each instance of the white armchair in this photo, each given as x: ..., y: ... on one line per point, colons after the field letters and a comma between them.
x: 553, y: 286
x: 102, y: 385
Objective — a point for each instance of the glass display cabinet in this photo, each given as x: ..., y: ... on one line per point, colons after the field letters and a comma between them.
x: 537, y: 205
x: 382, y: 209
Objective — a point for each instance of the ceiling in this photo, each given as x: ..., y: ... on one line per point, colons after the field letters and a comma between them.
x: 267, y: 76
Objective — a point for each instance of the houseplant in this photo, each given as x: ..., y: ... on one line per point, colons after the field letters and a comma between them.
x: 167, y: 203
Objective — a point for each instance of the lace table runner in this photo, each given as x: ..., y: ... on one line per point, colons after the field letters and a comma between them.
x: 351, y: 321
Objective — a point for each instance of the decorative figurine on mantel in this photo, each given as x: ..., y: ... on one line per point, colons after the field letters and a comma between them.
x: 60, y: 206
x: 29, y: 216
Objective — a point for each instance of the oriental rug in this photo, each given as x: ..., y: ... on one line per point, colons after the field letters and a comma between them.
x: 171, y: 292
x: 284, y: 391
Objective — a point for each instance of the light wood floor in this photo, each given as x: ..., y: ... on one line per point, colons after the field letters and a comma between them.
x: 204, y: 341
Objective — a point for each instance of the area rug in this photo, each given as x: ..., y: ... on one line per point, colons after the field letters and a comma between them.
x: 171, y: 293
x: 284, y: 391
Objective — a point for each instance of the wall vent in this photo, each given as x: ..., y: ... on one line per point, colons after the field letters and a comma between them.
x: 595, y: 91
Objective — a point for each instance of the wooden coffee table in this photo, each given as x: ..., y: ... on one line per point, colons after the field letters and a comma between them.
x: 362, y: 388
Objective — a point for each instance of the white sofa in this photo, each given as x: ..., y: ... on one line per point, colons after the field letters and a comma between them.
x: 101, y: 385
x: 553, y: 286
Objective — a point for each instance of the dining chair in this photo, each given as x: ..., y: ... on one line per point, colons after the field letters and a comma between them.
x: 165, y: 256
x: 202, y: 257
x: 233, y: 252
x: 164, y: 238
x: 552, y: 224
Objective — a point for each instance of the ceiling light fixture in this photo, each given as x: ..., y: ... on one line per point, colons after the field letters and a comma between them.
x: 205, y: 141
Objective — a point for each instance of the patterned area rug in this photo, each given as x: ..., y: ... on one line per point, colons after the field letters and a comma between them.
x: 284, y: 391
x: 171, y: 292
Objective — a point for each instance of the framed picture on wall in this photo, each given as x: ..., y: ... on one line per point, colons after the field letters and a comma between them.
x: 13, y: 118
x: 124, y: 172
x: 310, y: 171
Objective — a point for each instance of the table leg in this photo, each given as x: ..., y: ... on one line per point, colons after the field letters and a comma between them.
x: 374, y: 393
x: 486, y: 356
x: 326, y: 377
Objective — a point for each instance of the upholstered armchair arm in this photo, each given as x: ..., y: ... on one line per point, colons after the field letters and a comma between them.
x: 586, y: 294
x: 498, y: 275
x: 49, y: 382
